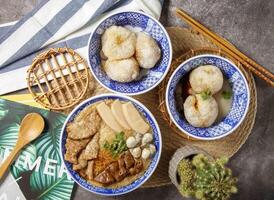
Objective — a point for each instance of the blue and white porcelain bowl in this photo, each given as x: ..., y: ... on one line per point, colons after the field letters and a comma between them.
x: 240, y: 98
x: 139, y: 21
x: 154, y: 161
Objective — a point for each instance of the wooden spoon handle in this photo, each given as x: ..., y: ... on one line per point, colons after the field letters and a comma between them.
x: 8, y: 161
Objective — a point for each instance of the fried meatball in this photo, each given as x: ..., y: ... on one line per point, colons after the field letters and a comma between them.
x: 118, y: 43
x: 206, y: 77
x: 147, y: 51
x: 200, y: 112
x: 123, y: 71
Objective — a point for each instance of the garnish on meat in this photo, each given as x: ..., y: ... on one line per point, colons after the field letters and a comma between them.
x: 117, y: 146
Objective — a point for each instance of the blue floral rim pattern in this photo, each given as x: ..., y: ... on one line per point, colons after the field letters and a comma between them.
x: 137, y: 183
x: 151, y: 77
x: 240, y: 101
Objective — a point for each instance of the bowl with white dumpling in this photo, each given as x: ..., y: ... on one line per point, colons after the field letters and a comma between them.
x: 207, y: 97
x: 129, y: 52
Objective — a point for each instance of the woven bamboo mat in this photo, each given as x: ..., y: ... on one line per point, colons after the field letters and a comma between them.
x: 184, y: 40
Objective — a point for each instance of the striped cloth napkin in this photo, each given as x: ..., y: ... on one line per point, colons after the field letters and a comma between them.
x: 56, y: 23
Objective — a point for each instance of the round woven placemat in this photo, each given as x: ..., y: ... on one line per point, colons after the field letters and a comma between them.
x: 183, y: 40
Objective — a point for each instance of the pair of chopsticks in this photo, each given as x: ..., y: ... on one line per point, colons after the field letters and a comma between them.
x: 228, y: 48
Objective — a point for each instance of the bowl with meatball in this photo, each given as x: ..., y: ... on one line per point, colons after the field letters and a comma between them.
x: 110, y: 144
x: 207, y: 97
x: 129, y: 52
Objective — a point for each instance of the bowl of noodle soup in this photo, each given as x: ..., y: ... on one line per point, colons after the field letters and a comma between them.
x: 104, y: 159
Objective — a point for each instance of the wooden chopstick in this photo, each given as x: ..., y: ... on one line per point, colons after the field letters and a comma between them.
x: 228, y: 48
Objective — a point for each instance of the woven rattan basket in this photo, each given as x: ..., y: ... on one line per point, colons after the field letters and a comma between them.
x: 58, y: 78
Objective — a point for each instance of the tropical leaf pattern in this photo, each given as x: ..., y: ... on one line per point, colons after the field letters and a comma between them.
x: 48, y: 143
x: 3, y: 113
x: 9, y: 135
x: 27, y: 155
x: 45, y: 186
x: 8, y: 138
x: 3, y: 110
x: 51, y: 187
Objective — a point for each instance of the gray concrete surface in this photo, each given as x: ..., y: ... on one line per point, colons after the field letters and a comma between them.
x: 249, y: 24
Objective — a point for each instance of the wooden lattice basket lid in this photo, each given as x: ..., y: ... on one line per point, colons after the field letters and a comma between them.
x: 58, y: 78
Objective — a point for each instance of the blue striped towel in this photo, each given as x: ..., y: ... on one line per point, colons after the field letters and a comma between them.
x: 55, y: 23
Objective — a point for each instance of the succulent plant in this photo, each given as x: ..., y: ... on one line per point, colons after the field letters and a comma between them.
x: 206, y: 179
x: 186, y: 173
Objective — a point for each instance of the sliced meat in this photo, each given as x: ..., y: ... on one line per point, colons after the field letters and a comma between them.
x: 113, y: 168
x: 92, y: 149
x: 118, y: 174
x: 129, y: 160
x: 82, y: 162
x: 73, y: 148
x: 118, y: 170
x: 86, y: 124
x: 138, y: 167
x: 105, y: 178
x: 89, y: 171
x: 82, y: 173
x: 122, y: 166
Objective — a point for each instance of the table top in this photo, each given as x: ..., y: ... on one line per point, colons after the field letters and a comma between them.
x: 248, y: 24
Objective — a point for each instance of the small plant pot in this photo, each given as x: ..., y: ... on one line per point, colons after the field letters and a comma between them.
x: 180, y: 154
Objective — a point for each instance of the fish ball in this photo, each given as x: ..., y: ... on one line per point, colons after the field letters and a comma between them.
x: 118, y: 43
x: 152, y: 149
x: 206, y: 77
x: 148, y: 137
x: 136, y: 152
x: 131, y: 142
x: 145, y: 153
x: 123, y: 71
x: 200, y: 112
x: 147, y: 51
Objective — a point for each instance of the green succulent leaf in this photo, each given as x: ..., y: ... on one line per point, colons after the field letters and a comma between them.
x: 206, y: 179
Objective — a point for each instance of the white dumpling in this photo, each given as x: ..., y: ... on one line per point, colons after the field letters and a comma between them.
x: 206, y: 77
x: 118, y: 43
x: 122, y: 70
x: 200, y: 112
x: 147, y: 51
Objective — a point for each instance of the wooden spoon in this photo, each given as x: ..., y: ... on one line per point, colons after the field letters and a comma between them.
x: 31, y: 127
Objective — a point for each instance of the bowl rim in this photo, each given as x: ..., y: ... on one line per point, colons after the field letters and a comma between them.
x: 167, y: 95
x: 115, y: 96
x: 168, y: 65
